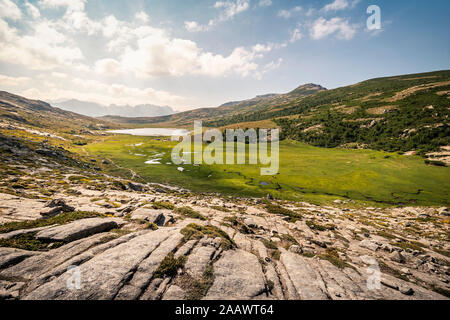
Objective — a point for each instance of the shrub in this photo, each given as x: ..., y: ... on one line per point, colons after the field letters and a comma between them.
x: 189, y: 212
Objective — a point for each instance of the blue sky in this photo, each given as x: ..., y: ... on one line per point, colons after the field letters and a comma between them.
x: 199, y: 53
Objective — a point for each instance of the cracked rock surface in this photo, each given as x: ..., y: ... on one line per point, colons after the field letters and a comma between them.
x: 241, y: 252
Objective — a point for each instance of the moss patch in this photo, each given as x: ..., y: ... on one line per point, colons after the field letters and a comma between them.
x: 28, y: 242
x: 189, y: 212
x: 61, y: 218
x: 276, y: 209
x: 169, y: 266
x: 195, y: 231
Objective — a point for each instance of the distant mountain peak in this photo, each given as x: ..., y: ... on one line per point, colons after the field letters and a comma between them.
x: 307, y: 89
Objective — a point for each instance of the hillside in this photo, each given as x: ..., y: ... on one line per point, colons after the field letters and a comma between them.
x: 16, y: 110
x: 266, y: 103
x: 93, y: 109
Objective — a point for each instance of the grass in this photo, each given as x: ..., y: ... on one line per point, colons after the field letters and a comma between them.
x: 276, y: 209
x: 413, y: 245
x: 189, y: 212
x: 28, y: 242
x: 198, y: 288
x: 332, y: 255
x: 219, y: 208
x: 61, y: 218
x: 169, y: 266
x: 307, y: 173
x: 162, y: 205
x: 195, y: 231
x: 391, y: 271
x: 319, y: 227
x: 269, y: 244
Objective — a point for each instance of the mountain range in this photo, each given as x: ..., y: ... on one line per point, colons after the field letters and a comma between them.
x: 93, y: 109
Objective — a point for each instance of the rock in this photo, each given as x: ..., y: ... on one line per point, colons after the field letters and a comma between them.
x: 143, y: 274
x: 105, y: 162
x: 444, y: 211
x: 16, y: 233
x: 77, y: 229
x: 4, y: 295
x: 56, y: 206
x: 408, y: 291
x: 295, y: 249
x: 307, y: 282
x: 368, y: 260
x: 397, y: 257
x: 104, y: 275
x: 159, y: 190
x: 198, y: 260
x: 389, y: 283
x: 250, y: 222
x: 174, y: 293
x: 337, y: 201
x: 369, y: 244
x: 269, y: 196
x: 11, y: 256
x: 406, y: 271
x: 319, y: 243
x: 135, y: 186
x: 150, y: 215
x: 238, y: 276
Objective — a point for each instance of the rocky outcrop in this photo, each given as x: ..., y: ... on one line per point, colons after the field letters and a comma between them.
x: 240, y: 253
x: 77, y: 229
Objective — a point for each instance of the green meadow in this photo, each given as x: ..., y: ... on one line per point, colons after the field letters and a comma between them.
x: 306, y: 173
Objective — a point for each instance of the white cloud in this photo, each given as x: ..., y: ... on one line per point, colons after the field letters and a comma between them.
x: 289, y: 13
x: 157, y: 54
x: 142, y: 16
x: 44, y: 49
x: 265, y: 3
x: 108, y: 67
x: 73, y: 5
x: 12, y: 81
x: 9, y: 10
x: 322, y: 28
x: 229, y: 9
x: 92, y: 90
x: 32, y: 10
x: 193, y: 26
x: 336, y: 5
x: 296, y: 35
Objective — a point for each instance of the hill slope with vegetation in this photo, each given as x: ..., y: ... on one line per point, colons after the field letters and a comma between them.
x: 399, y: 113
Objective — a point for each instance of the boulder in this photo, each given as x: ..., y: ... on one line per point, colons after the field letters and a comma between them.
x: 397, y: 257
x: 369, y: 244
x: 55, y: 207
x: 135, y: 186
x: 295, y: 249
x: 443, y: 211
x: 77, y: 229
x: 150, y: 215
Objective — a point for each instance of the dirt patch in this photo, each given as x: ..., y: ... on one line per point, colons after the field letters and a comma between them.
x: 345, y: 109
x: 317, y: 127
x: 370, y: 96
x: 381, y: 110
x: 407, y: 92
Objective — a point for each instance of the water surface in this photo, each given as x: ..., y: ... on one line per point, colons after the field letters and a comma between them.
x: 153, y: 132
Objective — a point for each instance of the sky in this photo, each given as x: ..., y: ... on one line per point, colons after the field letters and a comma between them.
x: 201, y: 53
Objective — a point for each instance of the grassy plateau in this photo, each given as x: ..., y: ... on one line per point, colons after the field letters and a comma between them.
x: 307, y: 173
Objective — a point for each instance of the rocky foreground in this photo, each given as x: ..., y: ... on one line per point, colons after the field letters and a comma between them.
x: 150, y: 243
